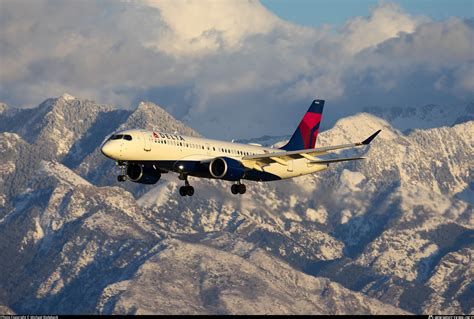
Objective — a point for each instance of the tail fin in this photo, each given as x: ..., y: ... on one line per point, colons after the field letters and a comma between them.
x: 307, y: 132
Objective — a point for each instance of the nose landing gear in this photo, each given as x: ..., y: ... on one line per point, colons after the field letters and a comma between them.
x: 238, y: 188
x: 122, y: 177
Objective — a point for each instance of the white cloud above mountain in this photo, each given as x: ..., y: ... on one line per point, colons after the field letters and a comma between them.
x: 215, y: 63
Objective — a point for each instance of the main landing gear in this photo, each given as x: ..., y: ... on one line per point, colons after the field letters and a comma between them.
x: 186, y: 190
x: 238, y: 189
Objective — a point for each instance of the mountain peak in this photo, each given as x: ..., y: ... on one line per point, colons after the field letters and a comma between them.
x: 426, y: 116
x: 356, y: 128
x: 150, y: 116
x: 67, y: 97
x: 146, y: 106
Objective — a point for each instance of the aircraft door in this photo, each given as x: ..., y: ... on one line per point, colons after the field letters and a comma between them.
x: 147, y: 142
x: 289, y: 168
x: 208, y: 149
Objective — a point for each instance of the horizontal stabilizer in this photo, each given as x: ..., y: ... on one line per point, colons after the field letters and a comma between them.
x: 283, y: 156
x: 336, y: 160
x: 370, y: 138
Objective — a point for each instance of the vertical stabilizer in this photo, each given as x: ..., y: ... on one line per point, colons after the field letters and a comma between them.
x: 307, y: 132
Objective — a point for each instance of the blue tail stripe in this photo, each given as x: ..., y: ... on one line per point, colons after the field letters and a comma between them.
x: 312, y: 133
x: 316, y: 106
x: 295, y: 143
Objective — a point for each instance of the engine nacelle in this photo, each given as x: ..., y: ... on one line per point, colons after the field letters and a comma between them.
x: 226, y: 168
x: 143, y: 174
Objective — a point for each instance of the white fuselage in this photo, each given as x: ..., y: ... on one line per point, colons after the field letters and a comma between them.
x: 149, y: 146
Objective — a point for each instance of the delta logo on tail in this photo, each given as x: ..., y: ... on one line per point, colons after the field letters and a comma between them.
x: 143, y: 156
x: 307, y: 132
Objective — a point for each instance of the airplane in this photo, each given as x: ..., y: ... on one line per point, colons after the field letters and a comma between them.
x: 144, y: 155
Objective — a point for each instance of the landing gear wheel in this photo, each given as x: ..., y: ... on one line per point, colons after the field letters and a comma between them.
x: 190, y: 191
x: 186, y: 190
x: 241, y: 188
x: 121, y: 178
x: 234, y: 189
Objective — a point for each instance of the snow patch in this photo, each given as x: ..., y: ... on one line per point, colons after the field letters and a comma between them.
x: 62, y: 173
x: 7, y: 168
x: 351, y: 179
x: 346, y: 215
x: 38, y: 233
x: 292, y: 216
x: 158, y: 195
x: 67, y: 97
x: 320, y: 215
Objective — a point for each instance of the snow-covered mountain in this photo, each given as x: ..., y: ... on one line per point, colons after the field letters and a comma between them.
x: 426, y: 116
x: 391, y: 234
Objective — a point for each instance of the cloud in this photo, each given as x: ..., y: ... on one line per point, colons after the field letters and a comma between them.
x: 196, y: 27
x: 385, y: 22
x: 214, y: 64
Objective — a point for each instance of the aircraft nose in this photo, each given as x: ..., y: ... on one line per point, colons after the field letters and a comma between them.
x: 108, y: 150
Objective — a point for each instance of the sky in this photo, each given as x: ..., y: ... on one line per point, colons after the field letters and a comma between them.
x: 238, y: 69
x: 319, y: 12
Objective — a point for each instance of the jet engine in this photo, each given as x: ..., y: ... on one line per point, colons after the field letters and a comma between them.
x: 226, y: 168
x: 143, y: 174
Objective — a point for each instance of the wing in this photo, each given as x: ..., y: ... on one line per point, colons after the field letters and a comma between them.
x: 256, y: 161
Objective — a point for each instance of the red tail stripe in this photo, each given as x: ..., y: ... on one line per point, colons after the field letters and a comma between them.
x: 309, y: 121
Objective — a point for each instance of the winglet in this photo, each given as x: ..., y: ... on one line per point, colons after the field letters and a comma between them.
x: 370, y: 138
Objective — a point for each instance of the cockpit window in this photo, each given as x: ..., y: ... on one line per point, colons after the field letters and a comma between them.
x: 121, y: 136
